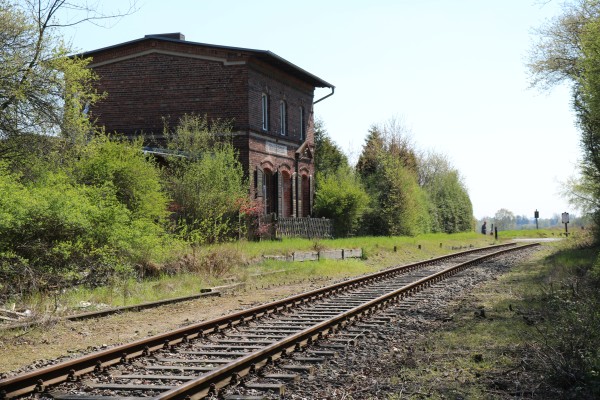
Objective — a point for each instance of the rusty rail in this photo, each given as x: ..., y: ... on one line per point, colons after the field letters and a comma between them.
x: 220, y: 377
x: 38, y: 381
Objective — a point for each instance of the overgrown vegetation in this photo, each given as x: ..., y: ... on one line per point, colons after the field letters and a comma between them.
x: 566, y: 321
x: 531, y: 333
x: 85, y: 219
x: 568, y: 50
x: 242, y: 261
x: 205, y: 180
x: 394, y: 190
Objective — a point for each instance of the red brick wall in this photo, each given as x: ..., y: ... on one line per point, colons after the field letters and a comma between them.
x: 150, y: 80
x: 141, y: 91
x: 278, y: 88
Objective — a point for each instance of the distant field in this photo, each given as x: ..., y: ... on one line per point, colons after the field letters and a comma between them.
x: 540, y: 233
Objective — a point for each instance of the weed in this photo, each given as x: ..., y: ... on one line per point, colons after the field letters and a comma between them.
x: 317, y: 246
x: 219, y: 262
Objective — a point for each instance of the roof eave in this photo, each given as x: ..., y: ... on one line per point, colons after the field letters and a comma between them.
x: 266, y: 56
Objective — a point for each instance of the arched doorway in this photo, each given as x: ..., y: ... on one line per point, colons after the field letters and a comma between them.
x: 306, y: 193
x: 271, y: 197
x: 286, y: 180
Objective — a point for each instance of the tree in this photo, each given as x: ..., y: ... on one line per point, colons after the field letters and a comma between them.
x: 42, y: 89
x: 504, y: 219
x: 582, y: 192
x: 451, y: 210
x: 569, y: 50
x: 368, y: 162
x: 555, y: 57
x: 387, y: 168
x: 398, y: 142
x: 329, y: 158
x: 339, y: 193
x: 522, y: 220
x: 403, y: 204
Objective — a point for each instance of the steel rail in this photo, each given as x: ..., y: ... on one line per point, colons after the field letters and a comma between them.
x: 211, y: 381
x: 37, y: 381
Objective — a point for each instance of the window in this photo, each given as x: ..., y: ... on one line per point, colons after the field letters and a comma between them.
x: 282, y: 118
x: 265, y: 112
x: 302, y: 126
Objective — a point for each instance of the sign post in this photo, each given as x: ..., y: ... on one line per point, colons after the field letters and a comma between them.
x: 565, y: 220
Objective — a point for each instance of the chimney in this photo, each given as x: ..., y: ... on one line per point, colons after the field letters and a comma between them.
x: 175, y: 36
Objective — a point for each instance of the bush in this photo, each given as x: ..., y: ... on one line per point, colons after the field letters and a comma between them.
x: 207, y: 185
x: 80, y: 224
x: 341, y: 198
x: 123, y: 167
x: 401, y: 205
x: 567, y: 340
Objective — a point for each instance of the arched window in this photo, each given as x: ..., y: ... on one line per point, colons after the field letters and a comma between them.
x: 282, y: 118
x: 265, y: 111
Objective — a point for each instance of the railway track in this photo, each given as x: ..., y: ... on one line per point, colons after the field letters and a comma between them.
x: 197, y: 361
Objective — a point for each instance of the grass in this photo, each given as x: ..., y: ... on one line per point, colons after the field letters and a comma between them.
x: 555, y: 232
x: 243, y: 262
x: 122, y: 293
x: 495, y: 357
x: 370, y: 244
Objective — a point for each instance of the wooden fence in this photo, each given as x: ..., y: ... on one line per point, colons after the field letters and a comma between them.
x: 270, y: 227
x: 311, y: 228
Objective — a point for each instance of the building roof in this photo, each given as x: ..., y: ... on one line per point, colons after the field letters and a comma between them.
x: 262, y: 55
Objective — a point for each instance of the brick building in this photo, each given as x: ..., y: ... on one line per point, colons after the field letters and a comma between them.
x: 270, y: 101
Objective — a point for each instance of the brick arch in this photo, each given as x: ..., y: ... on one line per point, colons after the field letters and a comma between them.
x: 285, y: 167
x: 304, y: 171
x: 267, y: 163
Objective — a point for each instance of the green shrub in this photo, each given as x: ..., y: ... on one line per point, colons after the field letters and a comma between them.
x: 59, y: 232
x: 207, y: 184
x: 341, y: 198
x: 122, y: 166
x: 566, y: 344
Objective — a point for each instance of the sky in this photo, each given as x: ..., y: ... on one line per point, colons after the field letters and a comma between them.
x: 454, y: 72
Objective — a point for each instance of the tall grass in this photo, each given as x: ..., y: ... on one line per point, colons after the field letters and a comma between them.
x: 540, y: 334
x: 368, y: 243
x: 244, y: 262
